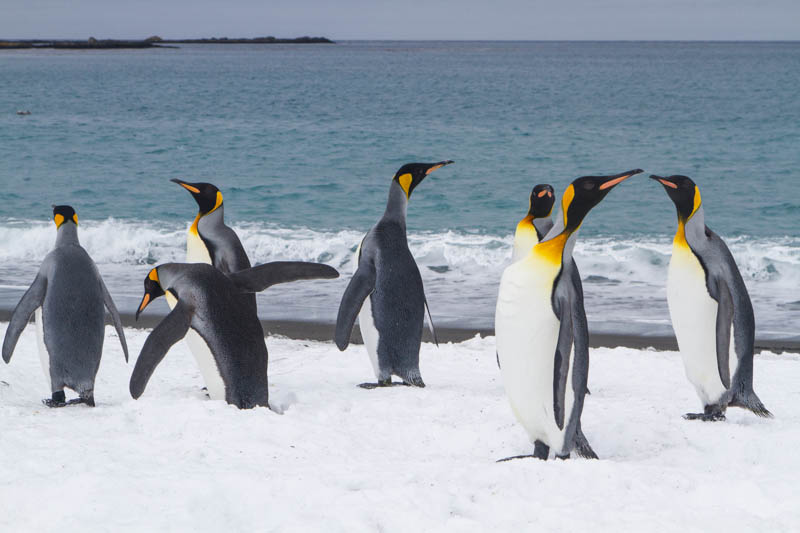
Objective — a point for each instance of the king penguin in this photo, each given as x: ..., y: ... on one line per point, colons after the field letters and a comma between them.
x: 210, y: 241
x: 67, y: 296
x: 536, y: 223
x: 710, y: 310
x: 386, y: 291
x: 541, y: 330
x: 208, y: 303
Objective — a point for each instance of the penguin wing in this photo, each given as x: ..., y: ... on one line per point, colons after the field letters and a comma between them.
x: 726, y: 286
x: 724, y: 321
x: 112, y: 310
x: 172, y: 329
x: 31, y: 300
x: 561, y: 362
x: 361, y: 285
x: 430, y: 323
x: 260, y: 277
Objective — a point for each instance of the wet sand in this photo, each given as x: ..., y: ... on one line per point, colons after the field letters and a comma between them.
x: 321, y: 331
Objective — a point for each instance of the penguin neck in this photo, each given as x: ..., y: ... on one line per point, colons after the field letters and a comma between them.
x: 397, y: 205
x: 67, y: 234
x: 215, y: 217
x: 542, y: 226
x: 692, y: 229
x: 558, y: 244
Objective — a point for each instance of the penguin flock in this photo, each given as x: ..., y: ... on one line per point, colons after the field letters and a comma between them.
x: 542, y: 335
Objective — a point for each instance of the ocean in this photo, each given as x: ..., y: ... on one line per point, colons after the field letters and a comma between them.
x: 303, y: 141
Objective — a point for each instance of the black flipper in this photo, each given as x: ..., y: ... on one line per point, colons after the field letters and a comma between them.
x: 112, y: 310
x: 172, y: 329
x: 260, y: 277
x: 430, y: 323
x: 361, y: 285
x: 31, y: 300
x: 724, y: 320
x: 561, y: 365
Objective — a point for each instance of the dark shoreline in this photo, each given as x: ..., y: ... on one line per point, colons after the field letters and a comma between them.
x: 152, y: 42
x: 322, y: 331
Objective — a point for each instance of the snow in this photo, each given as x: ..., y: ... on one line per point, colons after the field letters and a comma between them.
x: 341, y: 458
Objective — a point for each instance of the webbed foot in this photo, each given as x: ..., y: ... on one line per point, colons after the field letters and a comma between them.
x: 58, y: 399
x: 384, y: 383
x: 712, y: 417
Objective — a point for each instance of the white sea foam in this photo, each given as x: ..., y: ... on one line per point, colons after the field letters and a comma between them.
x: 461, y: 270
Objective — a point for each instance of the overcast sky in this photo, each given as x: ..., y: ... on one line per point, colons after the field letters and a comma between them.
x: 404, y: 19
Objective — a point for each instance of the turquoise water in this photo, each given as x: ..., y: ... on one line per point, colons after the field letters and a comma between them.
x: 303, y: 141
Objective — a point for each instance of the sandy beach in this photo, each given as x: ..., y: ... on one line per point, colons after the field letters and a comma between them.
x: 333, y: 457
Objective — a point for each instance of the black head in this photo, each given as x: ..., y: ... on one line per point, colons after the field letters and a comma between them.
x: 152, y: 290
x: 410, y: 175
x: 683, y: 192
x: 64, y: 213
x: 542, y: 200
x: 585, y: 193
x: 206, y: 195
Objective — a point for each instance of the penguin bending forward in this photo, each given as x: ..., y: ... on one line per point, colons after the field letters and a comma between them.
x: 386, y: 291
x: 536, y: 223
x: 208, y: 303
x: 541, y: 331
x: 710, y: 310
x: 67, y: 298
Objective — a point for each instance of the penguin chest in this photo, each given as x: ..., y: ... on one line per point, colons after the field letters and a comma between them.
x: 44, y: 354
x: 196, y: 249
x: 525, y: 238
x: 203, y: 356
x: 694, y: 317
x: 526, y: 331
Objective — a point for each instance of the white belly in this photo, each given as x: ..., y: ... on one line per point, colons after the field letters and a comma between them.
x: 527, y: 335
x: 205, y: 359
x: 369, y: 333
x: 694, y: 319
x: 44, y: 355
x: 196, y: 251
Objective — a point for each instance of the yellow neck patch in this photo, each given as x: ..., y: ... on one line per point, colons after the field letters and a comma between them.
x: 58, y: 219
x: 405, y: 182
x: 218, y: 203
x: 697, y: 200
x: 552, y: 250
x: 566, y: 200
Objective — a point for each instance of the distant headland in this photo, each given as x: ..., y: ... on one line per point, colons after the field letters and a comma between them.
x: 151, y: 42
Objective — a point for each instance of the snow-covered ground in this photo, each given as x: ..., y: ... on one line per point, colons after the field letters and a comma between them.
x: 341, y: 458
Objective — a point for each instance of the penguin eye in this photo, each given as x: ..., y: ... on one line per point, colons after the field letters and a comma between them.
x: 588, y: 185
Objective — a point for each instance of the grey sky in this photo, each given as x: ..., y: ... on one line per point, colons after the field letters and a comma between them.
x: 404, y: 19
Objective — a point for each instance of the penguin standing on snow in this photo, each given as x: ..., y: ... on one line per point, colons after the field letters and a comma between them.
x: 536, y: 223
x: 710, y: 310
x: 210, y: 241
x: 541, y: 330
x: 208, y: 303
x: 386, y: 290
x: 67, y: 297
